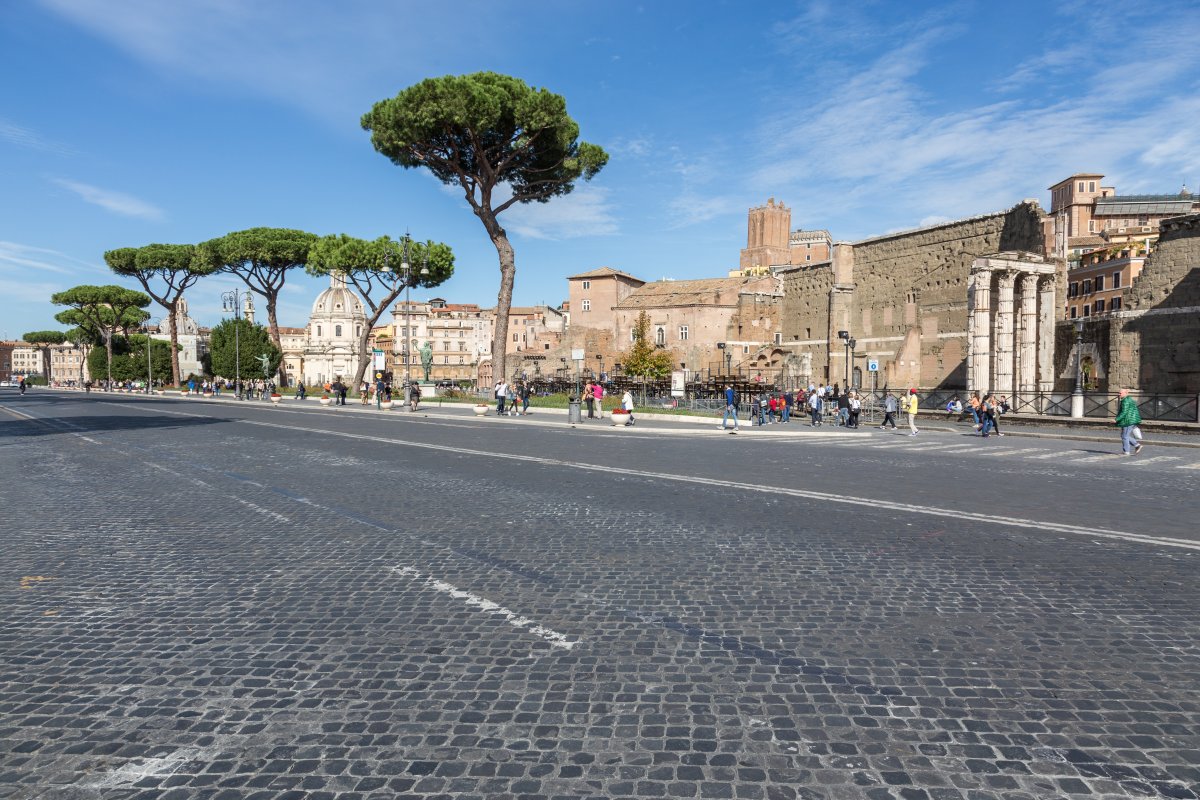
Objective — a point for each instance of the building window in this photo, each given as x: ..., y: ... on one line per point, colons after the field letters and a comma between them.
x: 1099, y: 285
x: 1091, y: 226
x: 337, y: 331
x: 1116, y: 280
x: 1087, y: 310
x: 1098, y: 307
x: 586, y: 306
x: 779, y: 338
x: 1087, y: 287
x: 1081, y: 186
x: 683, y: 333
x: 660, y: 336
x: 1091, y: 186
x: 516, y: 337
x: 1073, y: 312
x: 318, y: 331
x: 1072, y: 291
x: 1114, y: 304
x: 587, y: 284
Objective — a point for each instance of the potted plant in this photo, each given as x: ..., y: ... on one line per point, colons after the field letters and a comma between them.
x: 386, y: 405
x: 620, y: 416
x: 276, y: 397
x: 480, y: 409
x: 325, y: 399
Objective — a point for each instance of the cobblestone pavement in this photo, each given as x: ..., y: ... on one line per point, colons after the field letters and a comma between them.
x: 236, y: 601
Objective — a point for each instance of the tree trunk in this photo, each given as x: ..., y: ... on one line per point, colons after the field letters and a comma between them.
x: 364, y: 358
x: 508, y: 271
x: 273, y: 322
x: 46, y: 360
x: 108, y: 337
x: 175, y: 376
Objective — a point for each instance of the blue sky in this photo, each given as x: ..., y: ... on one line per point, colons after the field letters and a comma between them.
x: 143, y: 121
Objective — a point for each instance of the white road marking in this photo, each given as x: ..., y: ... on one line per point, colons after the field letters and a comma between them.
x: 49, y: 424
x: 1189, y: 466
x: 1053, y: 454
x: 555, y: 638
x: 828, y: 497
x: 1094, y: 459
x: 1002, y: 452
x: 1138, y: 462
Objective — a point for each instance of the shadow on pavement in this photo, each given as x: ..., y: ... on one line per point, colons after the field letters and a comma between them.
x: 51, y: 423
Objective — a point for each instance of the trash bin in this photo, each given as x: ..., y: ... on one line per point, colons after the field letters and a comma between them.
x: 574, y: 412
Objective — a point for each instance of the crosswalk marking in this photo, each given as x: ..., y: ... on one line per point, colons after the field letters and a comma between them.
x: 1137, y: 462
x: 1010, y: 452
x: 912, y: 445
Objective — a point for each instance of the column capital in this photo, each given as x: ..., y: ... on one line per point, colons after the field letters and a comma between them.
x: 1007, y: 278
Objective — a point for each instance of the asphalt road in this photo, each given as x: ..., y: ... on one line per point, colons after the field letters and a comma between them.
x: 231, y: 600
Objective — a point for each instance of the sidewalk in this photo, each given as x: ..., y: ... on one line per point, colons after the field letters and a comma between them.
x: 1015, y: 425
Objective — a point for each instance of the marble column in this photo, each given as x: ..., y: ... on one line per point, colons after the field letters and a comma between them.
x: 1027, y: 353
x: 979, y: 329
x: 1003, y: 384
x: 1045, y: 337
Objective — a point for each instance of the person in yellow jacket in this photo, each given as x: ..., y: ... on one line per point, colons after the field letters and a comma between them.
x: 910, y: 408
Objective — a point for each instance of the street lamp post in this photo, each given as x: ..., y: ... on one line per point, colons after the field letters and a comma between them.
x: 1077, y: 395
x: 406, y: 276
x: 600, y: 374
x: 845, y: 337
x: 232, y: 301
x: 850, y: 343
x: 150, y: 323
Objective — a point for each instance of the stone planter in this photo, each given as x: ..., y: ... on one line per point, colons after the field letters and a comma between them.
x: 326, y: 401
x: 183, y: 392
x: 207, y: 395
x: 480, y: 409
x: 620, y: 417
x: 386, y: 405
x: 275, y: 398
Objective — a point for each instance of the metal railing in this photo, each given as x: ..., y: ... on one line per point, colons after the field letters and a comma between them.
x: 1096, y: 405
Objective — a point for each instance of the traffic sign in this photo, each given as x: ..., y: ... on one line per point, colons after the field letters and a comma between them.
x: 872, y: 365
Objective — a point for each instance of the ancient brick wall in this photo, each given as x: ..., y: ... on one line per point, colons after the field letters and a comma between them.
x: 1154, y: 342
x: 907, y: 298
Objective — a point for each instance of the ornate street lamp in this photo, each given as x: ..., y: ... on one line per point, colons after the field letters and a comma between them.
x: 232, y: 301
x: 845, y: 337
x: 150, y: 323
x: 405, y: 275
x: 1077, y: 395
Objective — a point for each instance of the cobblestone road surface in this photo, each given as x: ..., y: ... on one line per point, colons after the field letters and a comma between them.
x: 218, y: 600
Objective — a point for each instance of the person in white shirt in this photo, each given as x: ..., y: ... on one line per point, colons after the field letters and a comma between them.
x: 501, y: 395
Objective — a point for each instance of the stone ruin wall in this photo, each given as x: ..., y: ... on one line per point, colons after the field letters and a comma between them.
x: 909, y: 295
x: 804, y: 314
x: 1154, y: 342
x: 911, y: 292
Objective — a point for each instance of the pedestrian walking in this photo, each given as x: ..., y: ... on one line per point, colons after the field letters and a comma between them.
x: 731, y: 408
x: 815, y: 402
x: 911, y: 410
x: 843, y: 409
x: 994, y: 412
x: 755, y: 411
x: 1129, y: 420
x: 414, y: 396
x: 526, y: 389
x: 627, y: 404
x: 300, y: 390
x: 598, y: 398
x: 379, y: 388
x: 855, y: 409
x: 890, y: 407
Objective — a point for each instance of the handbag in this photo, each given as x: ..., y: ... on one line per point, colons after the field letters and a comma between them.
x: 1137, y: 432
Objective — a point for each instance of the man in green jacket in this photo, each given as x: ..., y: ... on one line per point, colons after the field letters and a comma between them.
x: 1128, y: 418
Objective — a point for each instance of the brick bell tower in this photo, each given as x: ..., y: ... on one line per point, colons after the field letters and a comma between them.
x: 768, y: 229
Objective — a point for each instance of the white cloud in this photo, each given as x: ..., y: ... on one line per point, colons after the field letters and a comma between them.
x: 31, y: 140
x: 586, y: 211
x: 18, y: 258
x: 116, y: 202
x: 884, y: 147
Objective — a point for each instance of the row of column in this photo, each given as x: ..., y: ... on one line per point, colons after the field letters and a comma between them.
x: 1011, y: 339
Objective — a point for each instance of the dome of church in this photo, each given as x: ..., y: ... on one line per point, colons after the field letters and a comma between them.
x: 338, y: 300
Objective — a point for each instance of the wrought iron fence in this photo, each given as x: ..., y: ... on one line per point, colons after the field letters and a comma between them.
x: 1096, y: 405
